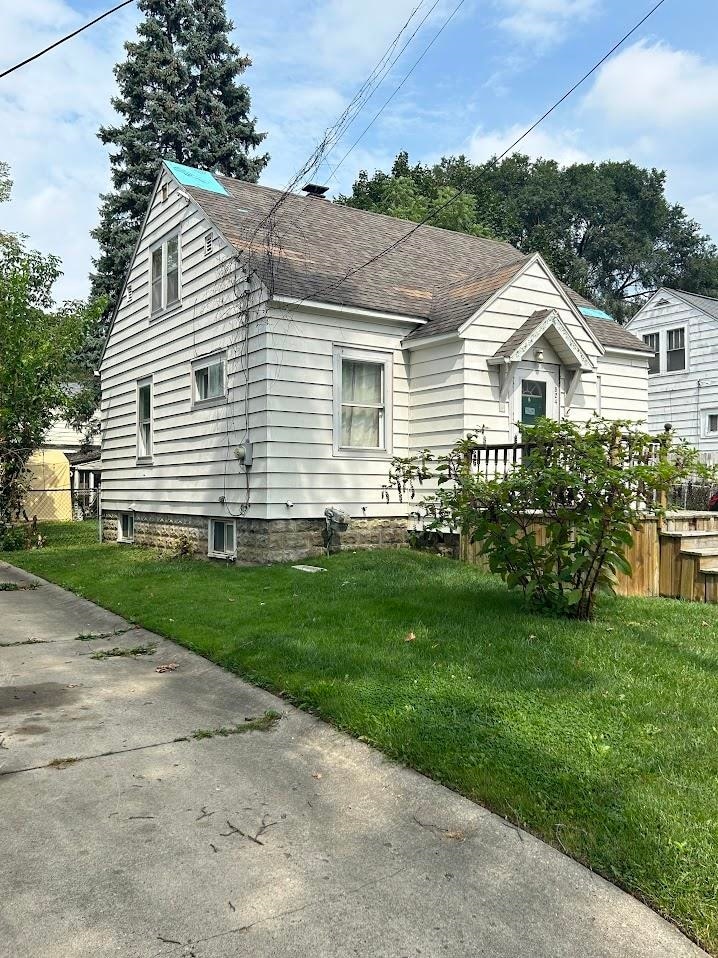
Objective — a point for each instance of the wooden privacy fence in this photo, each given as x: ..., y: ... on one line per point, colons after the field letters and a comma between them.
x: 676, y: 558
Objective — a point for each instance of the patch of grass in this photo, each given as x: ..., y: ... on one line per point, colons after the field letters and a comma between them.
x: 261, y: 724
x: 15, y: 587
x: 149, y: 648
x: 63, y: 762
x: 96, y: 636
x: 10, y: 645
x: 600, y: 738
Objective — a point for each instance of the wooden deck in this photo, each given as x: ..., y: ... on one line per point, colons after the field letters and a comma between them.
x: 677, y: 559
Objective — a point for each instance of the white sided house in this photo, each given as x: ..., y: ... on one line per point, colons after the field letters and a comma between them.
x: 263, y: 365
x: 681, y: 330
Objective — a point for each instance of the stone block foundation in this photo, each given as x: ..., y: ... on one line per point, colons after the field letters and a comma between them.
x: 262, y: 540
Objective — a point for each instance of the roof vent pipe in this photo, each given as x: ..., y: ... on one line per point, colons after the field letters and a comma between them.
x: 313, y: 189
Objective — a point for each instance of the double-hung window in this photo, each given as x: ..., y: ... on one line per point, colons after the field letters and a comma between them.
x: 165, y: 274
x: 676, y: 350
x: 362, y: 402
x: 144, y: 419
x: 653, y: 341
x: 222, y: 538
x: 208, y: 380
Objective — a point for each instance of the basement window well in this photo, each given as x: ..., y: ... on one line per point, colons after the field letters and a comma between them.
x: 222, y: 539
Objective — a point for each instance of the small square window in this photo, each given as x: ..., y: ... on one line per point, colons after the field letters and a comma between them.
x: 126, y: 527
x: 222, y: 538
x: 208, y: 377
x: 712, y: 424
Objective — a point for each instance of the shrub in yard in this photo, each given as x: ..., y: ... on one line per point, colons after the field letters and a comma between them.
x: 14, y: 538
x: 559, y: 523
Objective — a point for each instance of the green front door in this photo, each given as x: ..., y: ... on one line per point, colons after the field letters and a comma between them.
x: 533, y: 400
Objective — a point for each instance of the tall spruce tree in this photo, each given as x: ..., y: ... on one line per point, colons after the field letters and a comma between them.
x: 179, y: 99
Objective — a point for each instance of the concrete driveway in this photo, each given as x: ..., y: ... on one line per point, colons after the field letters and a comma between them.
x: 290, y: 840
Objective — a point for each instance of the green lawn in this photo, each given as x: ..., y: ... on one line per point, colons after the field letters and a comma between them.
x: 601, y: 738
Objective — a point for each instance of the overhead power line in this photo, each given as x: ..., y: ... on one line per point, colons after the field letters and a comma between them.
x: 433, y: 213
x: 69, y: 36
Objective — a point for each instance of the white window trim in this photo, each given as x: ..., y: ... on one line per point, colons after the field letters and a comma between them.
x: 380, y: 357
x: 210, y: 539
x: 659, y: 351
x: 120, y: 537
x: 147, y: 458
x: 202, y: 363
x: 675, y: 329
x: 162, y: 244
x: 705, y: 421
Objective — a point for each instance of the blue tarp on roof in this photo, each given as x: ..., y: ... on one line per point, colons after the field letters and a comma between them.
x: 598, y: 313
x: 189, y: 176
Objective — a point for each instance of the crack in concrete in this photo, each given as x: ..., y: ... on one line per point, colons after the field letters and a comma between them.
x: 328, y: 900
x: 119, y: 751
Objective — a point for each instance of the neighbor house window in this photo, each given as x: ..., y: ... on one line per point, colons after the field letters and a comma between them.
x: 165, y: 278
x: 144, y: 419
x: 126, y: 527
x: 362, y: 401
x: 676, y: 350
x: 208, y: 379
x: 222, y: 538
x: 653, y: 340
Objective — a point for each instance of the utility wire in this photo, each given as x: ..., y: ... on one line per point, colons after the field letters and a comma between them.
x: 69, y: 36
x: 460, y: 192
x: 406, y: 76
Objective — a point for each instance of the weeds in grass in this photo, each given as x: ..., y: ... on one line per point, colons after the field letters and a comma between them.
x: 260, y: 724
x: 148, y: 649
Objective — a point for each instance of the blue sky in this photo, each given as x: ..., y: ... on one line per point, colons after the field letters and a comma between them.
x: 496, y: 66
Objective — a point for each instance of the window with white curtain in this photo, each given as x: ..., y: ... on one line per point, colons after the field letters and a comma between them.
x: 208, y: 380
x: 362, y: 401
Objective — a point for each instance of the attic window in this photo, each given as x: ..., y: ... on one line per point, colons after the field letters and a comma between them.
x: 165, y: 191
x: 208, y: 244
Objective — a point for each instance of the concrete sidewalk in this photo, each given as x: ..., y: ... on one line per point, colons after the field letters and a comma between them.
x: 290, y: 841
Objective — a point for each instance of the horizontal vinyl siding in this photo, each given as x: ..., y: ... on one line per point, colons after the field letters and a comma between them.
x: 193, y: 463
x: 436, y: 401
x: 301, y: 466
x: 683, y: 398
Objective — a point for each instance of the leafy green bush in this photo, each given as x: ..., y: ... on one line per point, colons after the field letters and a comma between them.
x: 558, y: 525
x: 14, y: 539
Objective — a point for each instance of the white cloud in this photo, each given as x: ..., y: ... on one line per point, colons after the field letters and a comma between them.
x: 543, y: 22
x: 564, y: 146
x: 652, y: 85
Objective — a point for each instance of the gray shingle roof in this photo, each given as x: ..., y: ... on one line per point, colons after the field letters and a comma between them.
x: 515, y: 340
x: 708, y: 304
x: 437, y: 275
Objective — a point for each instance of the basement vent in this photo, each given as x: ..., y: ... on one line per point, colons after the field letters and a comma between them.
x: 208, y: 244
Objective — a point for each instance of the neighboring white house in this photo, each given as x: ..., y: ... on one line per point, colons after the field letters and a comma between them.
x: 682, y: 331
x: 263, y: 366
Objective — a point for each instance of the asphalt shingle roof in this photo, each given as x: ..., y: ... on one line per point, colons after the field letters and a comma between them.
x: 436, y: 275
x: 708, y: 304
